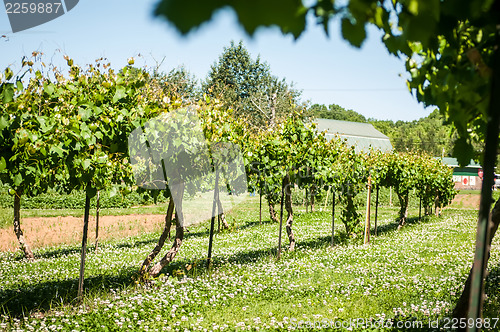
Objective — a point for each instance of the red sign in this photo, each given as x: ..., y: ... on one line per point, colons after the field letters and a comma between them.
x: 480, y: 173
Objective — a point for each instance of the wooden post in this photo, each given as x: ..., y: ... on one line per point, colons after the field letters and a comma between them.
x: 212, y: 222
x: 313, y: 193
x: 97, y: 210
x: 326, y: 200
x: 376, y: 210
x: 307, y: 202
x: 84, y: 246
x: 333, y: 217
x: 281, y: 220
x: 260, y: 204
x: 390, y: 196
x: 420, y: 209
x: 368, y: 202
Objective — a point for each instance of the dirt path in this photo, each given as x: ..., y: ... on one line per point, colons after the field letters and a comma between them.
x: 44, y: 232
x: 467, y: 201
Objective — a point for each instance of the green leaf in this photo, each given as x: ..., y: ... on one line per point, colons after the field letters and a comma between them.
x: 48, y: 88
x: 3, y: 122
x: 56, y: 149
x: 3, y: 164
x: 187, y: 15
x: 86, y: 163
x: 85, y: 113
x: 119, y: 94
x: 8, y: 73
x: 463, y: 151
x: 8, y: 93
x: 19, y: 86
x: 18, y: 179
x: 113, y: 191
x: 353, y: 33
x: 413, y: 7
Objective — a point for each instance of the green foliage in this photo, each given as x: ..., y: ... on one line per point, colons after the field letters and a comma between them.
x: 429, y: 134
x: 335, y: 112
x: 76, y: 200
x: 77, y: 137
x: 178, y: 82
x: 457, y: 81
x: 411, y: 171
x: 288, y: 15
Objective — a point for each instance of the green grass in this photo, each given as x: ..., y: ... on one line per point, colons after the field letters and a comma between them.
x: 413, y: 274
x: 6, y: 215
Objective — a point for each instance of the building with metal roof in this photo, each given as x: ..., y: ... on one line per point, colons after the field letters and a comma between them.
x: 358, y: 134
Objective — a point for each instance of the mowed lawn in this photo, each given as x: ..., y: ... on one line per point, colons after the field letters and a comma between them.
x: 403, y: 279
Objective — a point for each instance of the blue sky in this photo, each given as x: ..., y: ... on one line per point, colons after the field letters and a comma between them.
x: 327, y: 70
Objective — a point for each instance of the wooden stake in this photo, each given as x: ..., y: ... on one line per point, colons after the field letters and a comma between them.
x: 84, y: 246
x: 390, y: 196
x: 368, y: 202
x: 326, y: 200
x: 420, y: 209
x: 281, y: 220
x: 97, y: 210
x: 307, y: 202
x: 212, y: 222
x: 376, y: 211
x: 260, y: 204
x: 333, y: 217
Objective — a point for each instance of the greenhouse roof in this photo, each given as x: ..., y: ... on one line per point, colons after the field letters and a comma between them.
x: 361, y: 135
x: 453, y: 162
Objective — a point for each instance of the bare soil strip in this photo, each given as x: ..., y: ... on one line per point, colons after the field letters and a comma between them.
x: 466, y: 201
x: 45, y: 232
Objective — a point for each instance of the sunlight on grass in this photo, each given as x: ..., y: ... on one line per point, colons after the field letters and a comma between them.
x: 414, y: 274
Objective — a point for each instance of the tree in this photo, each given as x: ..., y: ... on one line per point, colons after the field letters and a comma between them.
x: 247, y: 86
x: 458, y: 43
x: 178, y: 82
x: 335, y: 112
x: 430, y: 134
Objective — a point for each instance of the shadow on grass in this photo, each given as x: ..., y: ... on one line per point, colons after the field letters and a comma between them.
x: 393, y: 226
x: 324, y: 241
x: 492, y: 290
x: 52, y: 253
x: 250, y: 224
x: 19, y: 302
x: 56, y: 253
